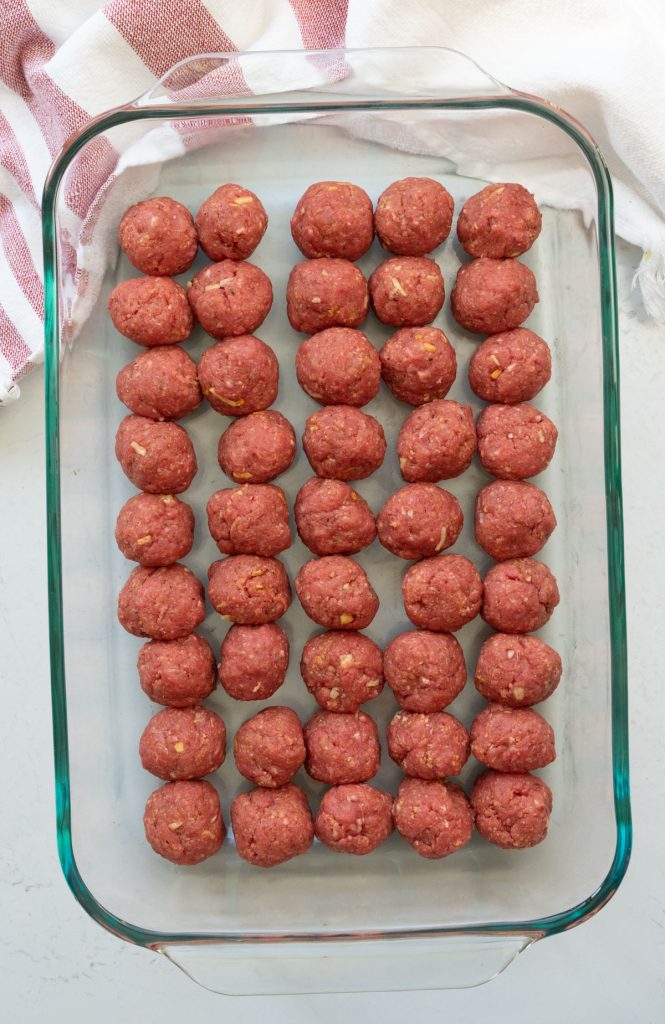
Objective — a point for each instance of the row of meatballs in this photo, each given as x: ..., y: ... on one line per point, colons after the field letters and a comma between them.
x: 273, y: 823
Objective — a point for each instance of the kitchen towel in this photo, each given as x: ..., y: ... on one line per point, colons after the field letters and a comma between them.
x: 60, y: 64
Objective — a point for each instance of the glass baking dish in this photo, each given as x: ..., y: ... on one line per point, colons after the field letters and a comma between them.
x: 326, y: 922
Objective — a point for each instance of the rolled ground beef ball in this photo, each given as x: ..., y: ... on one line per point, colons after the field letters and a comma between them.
x: 434, y: 817
x: 231, y: 223
x: 325, y: 293
x: 407, y: 291
x: 271, y: 826
x: 510, y: 367
x: 156, y: 457
x: 253, y: 661
x: 155, y: 529
x: 249, y: 589
x: 493, y: 295
x: 418, y: 364
x: 339, y: 366
x: 428, y: 746
x: 344, y: 443
x: 512, y: 739
x: 425, y: 670
x: 515, y: 441
x: 519, y: 596
x: 517, y: 670
x: 239, y: 375
x: 513, y: 519
x: 419, y: 521
x: 161, y: 384
x: 183, y: 743
x: 333, y: 218
x: 158, y: 236
x: 183, y: 821
x: 269, y: 747
x: 257, y: 448
x: 249, y: 520
x: 413, y: 216
x: 437, y: 441
x: 355, y: 818
x: 336, y: 593
x: 442, y: 594
x: 230, y: 298
x: 341, y: 748
x: 511, y: 809
x: 162, y: 604
x: 342, y: 670
x: 332, y: 519
x: 500, y: 220
x: 177, y: 673
x: 151, y: 311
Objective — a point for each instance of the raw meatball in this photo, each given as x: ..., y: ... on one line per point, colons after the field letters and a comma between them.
x: 341, y: 748
x: 433, y: 816
x: 258, y: 447
x: 336, y: 593
x: 342, y: 670
x: 511, y: 809
x: 158, y: 236
x: 162, y: 604
x: 332, y: 519
x: 442, y: 593
x: 155, y: 529
x: 425, y: 670
x: 413, y: 216
x: 269, y: 748
x: 333, y: 218
x: 183, y: 743
x: 519, y: 596
x: 407, y: 291
x: 161, y: 384
x: 512, y: 739
x: 493, y: 295
x: 249, y: 520
x: 428, y: 746
x: 517, y: 670
x: 437, y: 441
x: 355, y: 818
x: 178, y: 673
x: 513, y: 519
x: 510, y: 367
x: 515, y: 441
x: 339, y: 366
x: 418, y: 364
x: 183, y: 821
x: 239, y: 375
x: 419, y: 521
x: 156, y: 457
x: 230, y: 298
x: 325, y: 293
x: 500, y: 220
x: 249, y: 589
x: 271, y: 825
x: 151, y: 311
x: 343, y: 443
x: 253, y: 661
x: 231, y: 223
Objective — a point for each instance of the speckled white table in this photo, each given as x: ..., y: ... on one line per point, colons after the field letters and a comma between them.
x: 57, y: 965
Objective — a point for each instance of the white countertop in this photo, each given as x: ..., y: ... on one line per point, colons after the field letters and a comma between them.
x: 58, y: 965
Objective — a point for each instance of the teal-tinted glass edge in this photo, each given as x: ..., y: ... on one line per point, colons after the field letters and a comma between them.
x: 535, y: 928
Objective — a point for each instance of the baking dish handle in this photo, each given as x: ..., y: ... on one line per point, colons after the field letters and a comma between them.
x: 372, y: 965
x: 276, y: 78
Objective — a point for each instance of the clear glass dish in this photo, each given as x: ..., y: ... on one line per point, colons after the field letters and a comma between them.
x: 325, y: 922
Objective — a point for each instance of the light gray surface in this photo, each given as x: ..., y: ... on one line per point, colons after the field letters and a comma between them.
x: 57, y: 964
